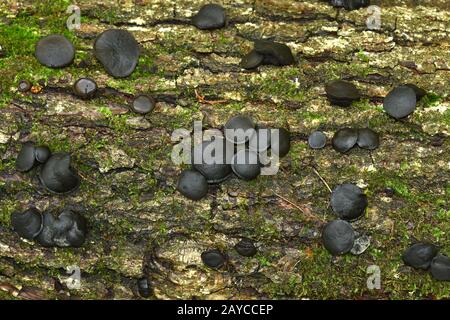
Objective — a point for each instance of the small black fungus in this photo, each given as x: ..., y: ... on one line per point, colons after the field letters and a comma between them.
x: 239, y: 129
x: 245, y: 248
x: 24, y: 86
x: 350, y: 4
x: 213, y: 258
x: 281, y: 146
x: 368, y: 139
x: 26, y: 157
x: 420, y: 93
x: 68, y: 230
x: 348, y: 201
x: 317, y: 140
x: 143, y: 287
x: 274, y: 53
x: 55, y: 51
x: 338, y: 237
x: 400, y: 102
x: 118, y: 52
x: 419, y: 255
x: 57, y: 175
x: 210, y: 16
x: 344, y: 139
x: 260, y: 141
x: 27, y: 224
x: 42, y: 154
x: 192, y: 184
x: 85, y: 88
x: 245, y: 165
x: 440, y: 268
x: 143, y: 104
x: 342, y: 93
x: 218, y: 168
x: 252, y: 60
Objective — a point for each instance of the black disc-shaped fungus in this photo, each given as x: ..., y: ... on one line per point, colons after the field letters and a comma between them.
x: 26, y: 157
x: 85, y: 88
x: 419, y: 255
x: 274, y: 53
x: 210, y: 16
x: 27, y: 224
x: 118, y: 52
x: 342, y: 93
x: 368, y: 139
x: 245, y: 247
x: 344, y: 139
x: 400, y: 102
x: 245, y: 165
x: 420, y: 93
x: 42, y: 154
x: 68, y: 230
x: 252, y: 60
x: 239, y: 129
x: 281, y: 146
x: 317, y: 140
x: 213, y: 258
x: 143, y: 104
x: 57, y: 175
x: 192, y: 184
x: 24, y: 86
x: 212, y: 160
x: 260, y: 141
x: 55, y: 51
x: 356, y: 4
x: 440, y: 268
x: 143, y: 287
x: 338, y: 237
x: 348, y: 201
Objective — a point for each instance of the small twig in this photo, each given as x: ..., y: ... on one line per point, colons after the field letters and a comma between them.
x: 322, y: 179
x: 202, y: 99
x: 313, y: 217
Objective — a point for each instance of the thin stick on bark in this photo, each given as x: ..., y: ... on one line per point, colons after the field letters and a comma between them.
x: 322, y: 179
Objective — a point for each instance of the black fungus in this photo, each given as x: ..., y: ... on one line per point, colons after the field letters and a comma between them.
x: 317, y: 140
x: 210, y: 16
x: 57, y: 175
x: 245, y: 164
x: 252, y: 60
x: 192, y: 184
x: 419, y: 255
x: 42, y: 154
x: 239, y: 129
x: 68, y: 230
x: 260, y: 141
x: 274, y: 53
x: 26, y: 157
x: 143, y: 104
x: 282, y: 145
x: 143, y: 287
x: 27, y: 224
x: 24, y: 86
x: 338, y: 237
x: 85, y: 88
x: 342, y: 93
x: 213, y: 160
x: 117, y: 51
x: 350, y: 4
x: 55, y: 51
x: 368, y: 139
x: 440, y: 268
x: 213, y: 258
x: 400, y: 102
x: 245, y: 247
x: 344, y: 139
x: 348, y: 201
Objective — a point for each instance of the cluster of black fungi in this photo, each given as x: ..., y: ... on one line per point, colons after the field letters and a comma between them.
x: 193, y: 183
x: 118, y: 52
